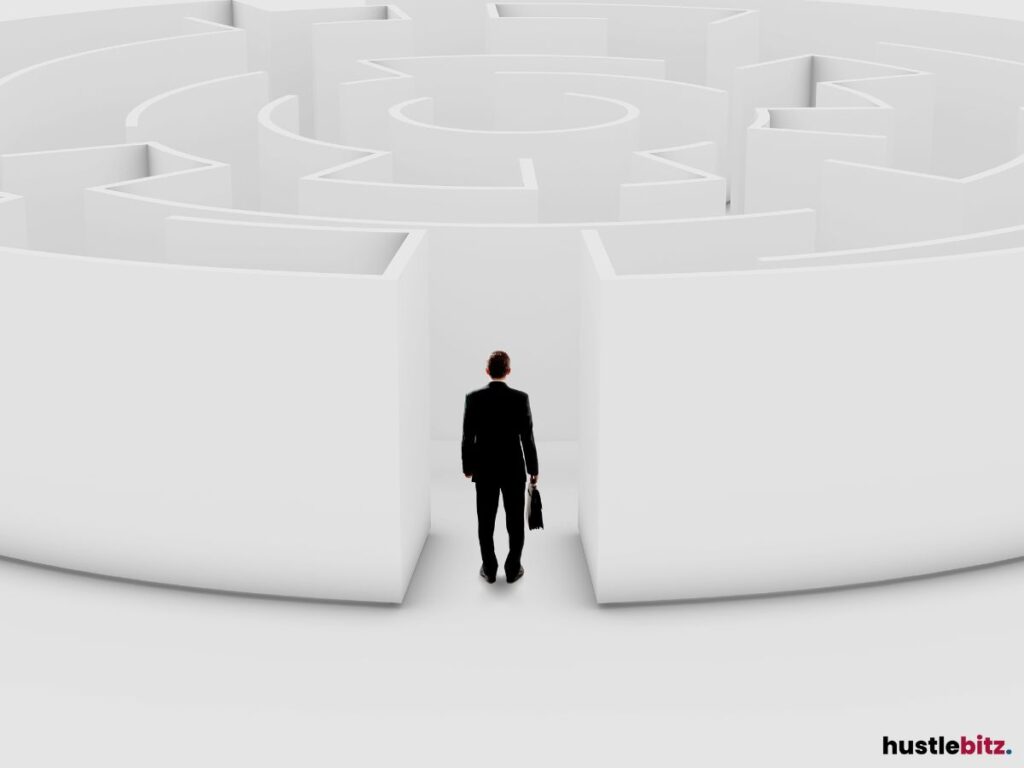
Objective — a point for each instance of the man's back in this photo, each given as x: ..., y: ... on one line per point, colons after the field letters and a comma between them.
x: 497, y: 434
x: 497, y: 431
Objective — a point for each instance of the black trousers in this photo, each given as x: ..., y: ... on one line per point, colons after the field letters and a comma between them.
x: 513, y: 494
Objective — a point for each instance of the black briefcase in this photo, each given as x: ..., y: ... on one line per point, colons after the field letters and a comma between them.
x: 534, y: 512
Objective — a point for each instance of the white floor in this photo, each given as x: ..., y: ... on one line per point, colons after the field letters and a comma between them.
x: 101, y: 673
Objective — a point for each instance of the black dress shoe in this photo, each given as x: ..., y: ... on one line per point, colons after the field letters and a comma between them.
x: 518, y: 576
x: 485, y: 577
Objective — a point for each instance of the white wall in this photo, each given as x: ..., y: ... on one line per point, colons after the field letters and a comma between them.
x: 446, y: 26
x: 977, y: 101
x: 39, y: 38
x: 785, y: 83
x: 82, y: 99
x: 570, y: 35
x: 865, y: 118
x: 868, y: 206
x: 279, y: 41
x: 127, y: 221
x: 863, y: 206
x: 661, y: 189
x: 719, y: 243
x: 272, y: 448
x: 114, y: 224
x: 51, y: 185
x: 13, y: 221
x: 732, y: 41
x: 800, y: 82
x: 363, y: 118
x: 784, y: 167
x: 467, y: 260
x: 463, y: 87
x: 795, y: 27
x: 57, y: 185
x: 286, y: 156
x: 993, y: 240
x: 563, y: 111
x: 912, y: 101
x: 681, y: 36
x: 578, y: 170
x: 811, y: 431
x: 347, y: 192
x: 786, y: 27
x: 704, y: 155
x: 670, y: 113
x: 338, y: 47
x: 995, y: 198
x: 215, y: 119
x: 537, y: 321
x: 293, y: 248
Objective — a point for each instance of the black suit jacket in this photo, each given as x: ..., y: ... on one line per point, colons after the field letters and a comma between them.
x: 497, y: 434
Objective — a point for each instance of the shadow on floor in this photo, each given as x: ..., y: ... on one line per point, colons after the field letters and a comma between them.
x: 556, y: 571
x: 556, y: 575
x: 818, y: 590
x: 104, y: 578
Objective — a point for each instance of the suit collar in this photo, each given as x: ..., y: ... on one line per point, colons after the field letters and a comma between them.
x: 497, y: 384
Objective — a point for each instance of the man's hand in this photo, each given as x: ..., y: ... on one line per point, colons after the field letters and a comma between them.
x: 533, y: 479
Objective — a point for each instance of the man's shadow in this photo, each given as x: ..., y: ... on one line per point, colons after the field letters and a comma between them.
x: 554, y: 561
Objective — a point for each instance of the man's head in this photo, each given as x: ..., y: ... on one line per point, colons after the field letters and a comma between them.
x: 499, y: 365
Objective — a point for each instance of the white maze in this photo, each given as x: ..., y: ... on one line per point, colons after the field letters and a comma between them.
x: 763, y: 260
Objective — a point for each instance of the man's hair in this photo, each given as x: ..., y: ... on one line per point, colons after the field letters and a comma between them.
x: 498, y: 364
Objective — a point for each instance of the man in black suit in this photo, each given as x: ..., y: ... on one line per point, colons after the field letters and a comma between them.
x: 497, y: 430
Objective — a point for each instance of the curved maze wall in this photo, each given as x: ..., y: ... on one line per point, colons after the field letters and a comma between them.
x: 762, y: 260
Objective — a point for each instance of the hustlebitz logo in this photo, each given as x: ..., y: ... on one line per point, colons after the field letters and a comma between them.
x: 941, y: 745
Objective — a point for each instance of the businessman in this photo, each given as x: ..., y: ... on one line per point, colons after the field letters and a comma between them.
x: 497, y: 453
